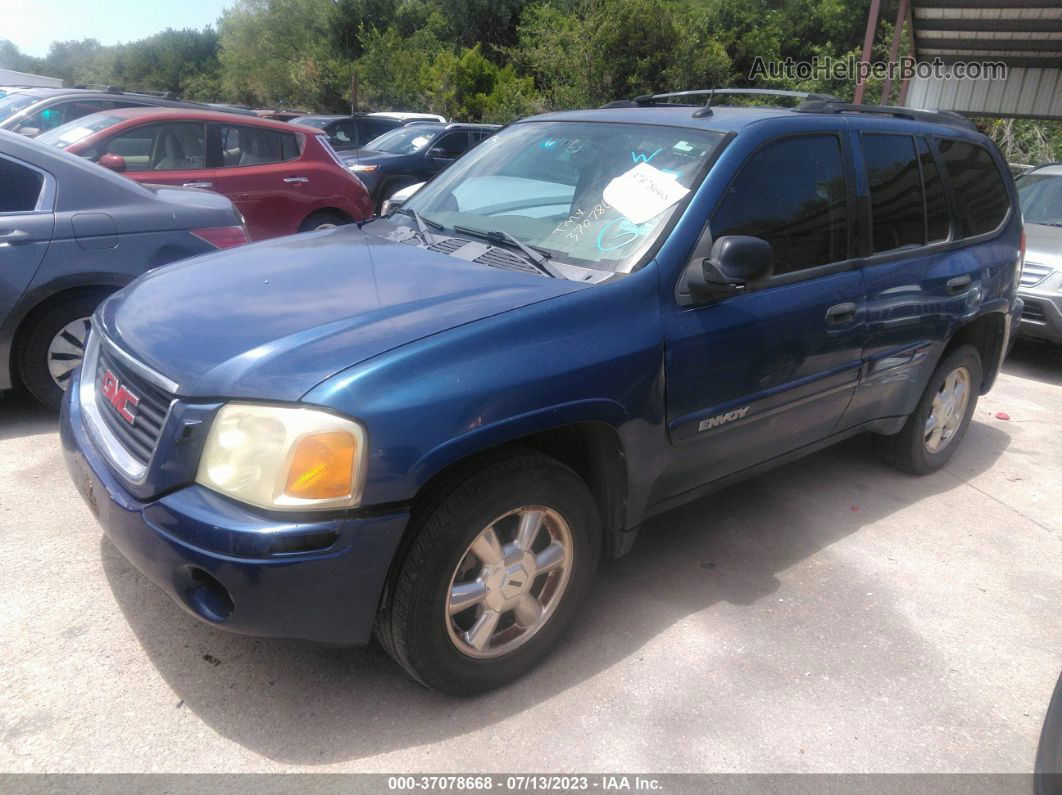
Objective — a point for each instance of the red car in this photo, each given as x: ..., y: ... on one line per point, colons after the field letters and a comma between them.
x: 284, y: 178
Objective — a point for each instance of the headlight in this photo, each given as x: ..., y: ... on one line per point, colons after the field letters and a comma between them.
x: 356, y: 167
x: 284, y: 458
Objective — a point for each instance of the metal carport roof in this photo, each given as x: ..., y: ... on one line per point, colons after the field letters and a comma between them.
x: 1023, y: 35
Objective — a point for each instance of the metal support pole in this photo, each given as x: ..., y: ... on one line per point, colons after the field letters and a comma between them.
x: 894, y: 51
x: 868, y: 47
x: 914, y: 52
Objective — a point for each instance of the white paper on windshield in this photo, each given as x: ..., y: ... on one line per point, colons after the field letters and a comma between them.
x: 75, y: 134
x: 643, y: 192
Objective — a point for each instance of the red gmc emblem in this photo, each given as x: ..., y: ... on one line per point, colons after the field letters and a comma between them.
x: 124, y: 401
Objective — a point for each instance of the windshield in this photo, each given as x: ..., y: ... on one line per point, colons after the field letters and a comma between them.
x: 586, y: 193
x: 70, y: 133
x: 13, y: 103
x: 403, y: 141
x: 1041, y: 198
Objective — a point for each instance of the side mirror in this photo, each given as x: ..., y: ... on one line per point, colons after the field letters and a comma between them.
x: 113, y: 162
x: 29, y: 132
x: 735, y: 262
x: 441, y: 154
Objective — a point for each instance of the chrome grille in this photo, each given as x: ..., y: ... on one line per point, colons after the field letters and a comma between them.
x: 141, y: 436
x: 128, y: 442
x: 1034, y: 312
x: 1033, y: 273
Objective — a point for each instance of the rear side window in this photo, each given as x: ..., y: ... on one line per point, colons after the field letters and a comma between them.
x: 896, y: 212
x: 979, y: 190
x: 22, y: 187
x: 256, y: 146
x: 792, y: 194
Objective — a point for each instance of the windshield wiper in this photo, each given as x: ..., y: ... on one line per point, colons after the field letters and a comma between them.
x: 422, y: 224
x: 534, y: 256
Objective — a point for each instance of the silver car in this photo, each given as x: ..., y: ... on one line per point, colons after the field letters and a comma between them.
x: 1040, y: 191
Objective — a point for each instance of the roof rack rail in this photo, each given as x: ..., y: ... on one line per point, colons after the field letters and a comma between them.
x: 706, y: 109
x: 834, y: 105
x: 101, y: 87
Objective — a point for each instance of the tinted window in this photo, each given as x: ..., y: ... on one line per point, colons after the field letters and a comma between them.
x: 937, y: 221
x: 22, y: 187
x: 451, y: 145
x: 255, y: 146
x: 63, y: 112
x: 792, y: 194
x: 172, y: 146
x: 979, y: 190
x: 895, y: 191
x: 370, y: 128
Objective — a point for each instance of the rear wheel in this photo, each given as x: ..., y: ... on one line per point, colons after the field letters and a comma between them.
x: 322, y: 220
x: 936, y: 427
x: 53, y: 346
x: 498, y: 566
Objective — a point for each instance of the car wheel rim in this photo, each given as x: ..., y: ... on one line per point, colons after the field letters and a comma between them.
x: 66, y: 351
x: 948, y: 410
x: 319, y: 227
x: 509, y: 582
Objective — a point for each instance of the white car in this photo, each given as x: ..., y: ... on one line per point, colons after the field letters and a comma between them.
x: 402, y: 116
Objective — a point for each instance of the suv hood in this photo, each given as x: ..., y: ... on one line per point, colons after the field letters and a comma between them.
x: 272, y: 320
x: 1043, y: 245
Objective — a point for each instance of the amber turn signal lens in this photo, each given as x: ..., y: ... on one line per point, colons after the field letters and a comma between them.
x: 322, y: 466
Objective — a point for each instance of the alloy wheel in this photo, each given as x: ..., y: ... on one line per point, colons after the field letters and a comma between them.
x: 948, y: 410
x: 509, y: 582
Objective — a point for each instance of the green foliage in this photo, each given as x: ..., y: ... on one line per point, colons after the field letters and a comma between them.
x: 493, y: 60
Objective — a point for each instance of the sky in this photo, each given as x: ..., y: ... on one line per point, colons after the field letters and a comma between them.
x: 34, y: 24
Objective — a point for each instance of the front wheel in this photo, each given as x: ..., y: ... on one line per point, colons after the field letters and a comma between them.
x: 935, y: 428
x: 322, y: 220
x: 499, y: 564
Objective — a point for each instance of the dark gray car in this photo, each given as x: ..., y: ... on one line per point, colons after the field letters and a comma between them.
x: 71, y: 233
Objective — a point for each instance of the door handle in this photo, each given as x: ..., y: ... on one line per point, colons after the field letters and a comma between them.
x: 841, y: 313
x: 16, y: 237
x: 958, y: 284
x: 296, y: 179
x: 199, y: 184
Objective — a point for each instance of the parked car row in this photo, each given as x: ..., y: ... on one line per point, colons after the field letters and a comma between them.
x: 284, y: 178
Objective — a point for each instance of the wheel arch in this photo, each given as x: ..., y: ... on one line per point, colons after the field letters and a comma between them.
x: 988, y: 334
x: 32, y: 306
x: 592, y: 448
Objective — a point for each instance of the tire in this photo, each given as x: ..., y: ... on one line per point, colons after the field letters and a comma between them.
x: 912, y: 450
x: 428, y: 632
x: 1048, y: 767
x: 322, y: 220
x: 54, y: 341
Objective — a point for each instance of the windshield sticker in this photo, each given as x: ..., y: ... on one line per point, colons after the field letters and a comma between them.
x: 549, y: 143
x: 643, y: 192
x: 642, y: 157
x: 682, y: 146
x: 420, y: 140
x: 619, y: 233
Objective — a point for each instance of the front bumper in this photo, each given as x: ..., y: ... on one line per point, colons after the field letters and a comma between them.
x: 1041, y: 317
x: 231, y: 566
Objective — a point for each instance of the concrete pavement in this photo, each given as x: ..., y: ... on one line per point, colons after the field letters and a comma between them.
x: 831, y: 615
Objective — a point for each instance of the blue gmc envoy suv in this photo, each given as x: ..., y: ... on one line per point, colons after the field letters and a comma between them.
x: 432, y: 425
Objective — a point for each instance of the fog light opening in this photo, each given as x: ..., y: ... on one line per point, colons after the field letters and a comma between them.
x: 207, y: 596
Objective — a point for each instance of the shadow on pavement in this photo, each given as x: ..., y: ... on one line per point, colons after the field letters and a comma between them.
x: 306, y: 704
x: 21, y: 415
x: 1040, y: 361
